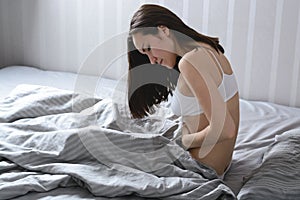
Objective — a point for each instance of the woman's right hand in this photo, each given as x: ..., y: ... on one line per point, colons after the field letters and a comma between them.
x: 185, y: 131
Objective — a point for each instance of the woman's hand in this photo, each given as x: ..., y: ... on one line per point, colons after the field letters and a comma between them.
x: 186, y: 139
x: 193, y: 140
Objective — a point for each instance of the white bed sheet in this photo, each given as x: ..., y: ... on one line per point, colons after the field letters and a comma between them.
x: 259, y: 125
x: 12, y: 76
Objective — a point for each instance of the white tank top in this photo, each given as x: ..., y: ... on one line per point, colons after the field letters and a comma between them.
x: 182, y: 105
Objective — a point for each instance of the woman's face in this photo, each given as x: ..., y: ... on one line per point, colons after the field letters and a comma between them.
x: 159, y: 48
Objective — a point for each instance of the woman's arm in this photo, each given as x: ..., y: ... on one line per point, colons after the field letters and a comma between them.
x: 196, y: 140
x: 194, y: 69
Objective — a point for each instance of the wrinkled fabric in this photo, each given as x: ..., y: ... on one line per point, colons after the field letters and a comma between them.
x: 51, y: 138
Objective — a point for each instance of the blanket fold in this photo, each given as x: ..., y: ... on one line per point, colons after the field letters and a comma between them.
x: 52, y: 138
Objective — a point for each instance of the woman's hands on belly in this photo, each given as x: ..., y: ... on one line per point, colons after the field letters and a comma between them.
x: 192, y: 124
x: 219, y: 155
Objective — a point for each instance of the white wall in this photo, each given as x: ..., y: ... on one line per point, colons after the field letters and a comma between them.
x: 261, y: 38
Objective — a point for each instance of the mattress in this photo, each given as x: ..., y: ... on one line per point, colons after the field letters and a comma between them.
x: 12, y: 76
x: 260, y: 156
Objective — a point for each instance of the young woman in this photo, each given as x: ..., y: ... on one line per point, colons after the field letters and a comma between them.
x: 206, y: 93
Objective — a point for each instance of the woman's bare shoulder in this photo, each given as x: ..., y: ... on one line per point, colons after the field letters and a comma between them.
x: 197, y: 58
x: 197, y: 51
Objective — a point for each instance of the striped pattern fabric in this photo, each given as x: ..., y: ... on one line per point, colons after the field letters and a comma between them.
x: 52, y: 138
x: 278, y: 177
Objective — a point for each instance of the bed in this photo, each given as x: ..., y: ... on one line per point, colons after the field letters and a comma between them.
x: 45, y: 115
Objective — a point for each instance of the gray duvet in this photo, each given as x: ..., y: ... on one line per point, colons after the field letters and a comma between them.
x: 51, y: 138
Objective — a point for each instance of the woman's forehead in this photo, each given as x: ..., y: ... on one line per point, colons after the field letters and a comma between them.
x: 140, y: 39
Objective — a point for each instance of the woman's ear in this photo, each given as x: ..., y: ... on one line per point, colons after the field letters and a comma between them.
x: 164, y: 29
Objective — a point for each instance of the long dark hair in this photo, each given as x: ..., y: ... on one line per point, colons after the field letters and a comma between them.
x: 146, y: 19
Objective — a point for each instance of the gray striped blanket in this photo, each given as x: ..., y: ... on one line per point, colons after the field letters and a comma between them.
x: 278, y: 176
x: 51, y: 138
